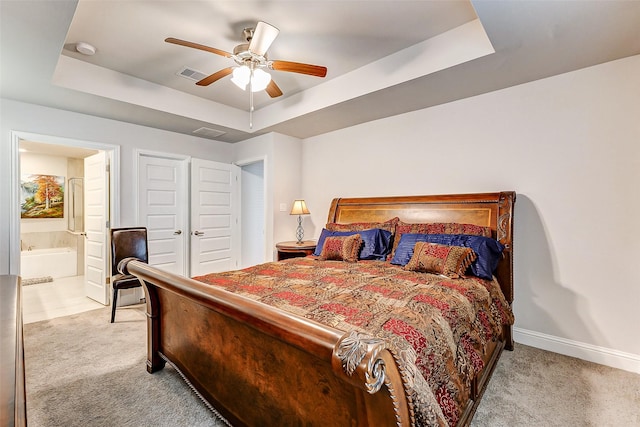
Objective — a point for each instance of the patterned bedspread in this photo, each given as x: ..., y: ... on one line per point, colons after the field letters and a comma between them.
x: 437, y: 327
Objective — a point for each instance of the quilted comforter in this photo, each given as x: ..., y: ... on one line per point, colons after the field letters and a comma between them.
x: 438, y: 328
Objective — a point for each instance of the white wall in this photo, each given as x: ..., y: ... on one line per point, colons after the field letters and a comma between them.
x: 18, y: 116
x: 569, y: 146
x: 288, y: 178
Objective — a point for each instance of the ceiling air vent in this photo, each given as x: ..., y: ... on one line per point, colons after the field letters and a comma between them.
x: 208, y: 132
x: 191, y: 74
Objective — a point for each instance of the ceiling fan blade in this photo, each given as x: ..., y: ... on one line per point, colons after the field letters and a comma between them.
x: 198, y: 46
x: 297, y: 67
x: 263, y: 36
x: 215, y: 76
x: 273, y: 90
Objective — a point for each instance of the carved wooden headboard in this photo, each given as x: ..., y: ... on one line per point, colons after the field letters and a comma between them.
x: 494, y: 210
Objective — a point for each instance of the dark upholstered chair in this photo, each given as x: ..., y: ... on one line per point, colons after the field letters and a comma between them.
x: 126, y: 243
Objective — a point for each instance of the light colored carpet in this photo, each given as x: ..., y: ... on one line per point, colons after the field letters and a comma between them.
x: 83, y: 371
x: 533, y: 387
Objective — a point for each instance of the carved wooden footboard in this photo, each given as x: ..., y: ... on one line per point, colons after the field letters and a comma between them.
x: 258, y: 365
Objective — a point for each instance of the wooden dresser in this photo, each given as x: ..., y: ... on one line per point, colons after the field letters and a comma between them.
x: 13, y: 408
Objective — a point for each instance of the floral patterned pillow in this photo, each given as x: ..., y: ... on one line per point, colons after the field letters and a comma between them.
x: 341, y: 248
x: 437, y: 228
x: 451, y: 261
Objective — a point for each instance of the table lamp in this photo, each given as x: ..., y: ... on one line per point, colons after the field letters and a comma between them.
x: 299, y: 208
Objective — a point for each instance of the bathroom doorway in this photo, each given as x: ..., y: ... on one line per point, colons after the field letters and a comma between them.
x: 55, y: 250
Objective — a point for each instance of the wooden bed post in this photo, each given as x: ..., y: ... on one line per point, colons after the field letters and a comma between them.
x: 154, y: 361
x: 505, y: 236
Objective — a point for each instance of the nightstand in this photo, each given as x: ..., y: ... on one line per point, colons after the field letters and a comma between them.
x: 292, y: 249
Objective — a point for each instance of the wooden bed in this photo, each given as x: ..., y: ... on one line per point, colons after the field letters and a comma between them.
x: 258, y: 365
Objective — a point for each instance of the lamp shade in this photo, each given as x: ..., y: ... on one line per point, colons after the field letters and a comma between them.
x: 299, y: 208
x: 260, y: 80
x: 241, y: 76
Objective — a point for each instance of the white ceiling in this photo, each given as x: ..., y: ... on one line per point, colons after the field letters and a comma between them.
x: 383, y: 57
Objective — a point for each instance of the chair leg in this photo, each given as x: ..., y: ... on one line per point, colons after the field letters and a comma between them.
x: 114, y: 301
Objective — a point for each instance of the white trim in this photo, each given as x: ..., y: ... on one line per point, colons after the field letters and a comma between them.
x: 113, y: 152
x: 161, y: 154
x: 14, y: 213
x: 592, y: 353
x: 236, y: 210
x: 250, y: 160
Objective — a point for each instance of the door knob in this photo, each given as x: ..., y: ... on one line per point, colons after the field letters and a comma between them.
x: 198, y: 233
x: 177, y: 232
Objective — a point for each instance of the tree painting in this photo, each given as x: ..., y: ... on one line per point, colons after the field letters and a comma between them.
x: 42, y: 196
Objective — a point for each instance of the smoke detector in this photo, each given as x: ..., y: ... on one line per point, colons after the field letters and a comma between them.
x: 85, y: 48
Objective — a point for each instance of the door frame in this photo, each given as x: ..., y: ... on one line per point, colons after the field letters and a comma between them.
x: 113, y: 151
x: 268, y: 203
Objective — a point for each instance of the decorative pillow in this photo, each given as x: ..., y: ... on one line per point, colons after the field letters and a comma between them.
x: 389, y: 225
x: 451, y: 261
x: 341, y: 248
x: 376, y: 243
x: 437, y: 228
x: 488, y: 251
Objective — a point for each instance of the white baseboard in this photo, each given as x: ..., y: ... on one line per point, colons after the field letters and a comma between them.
x: 592, y: 353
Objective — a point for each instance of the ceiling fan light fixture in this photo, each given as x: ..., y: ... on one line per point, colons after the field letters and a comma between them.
x: 251, y: 58
x: 242, y: 74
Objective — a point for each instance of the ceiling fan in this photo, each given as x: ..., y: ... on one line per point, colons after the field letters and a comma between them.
x: 251, y: 59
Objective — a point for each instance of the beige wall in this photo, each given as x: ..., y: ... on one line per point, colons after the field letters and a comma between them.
x: 569, y: 146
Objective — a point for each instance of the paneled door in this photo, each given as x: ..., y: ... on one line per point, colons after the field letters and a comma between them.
x: 163, y: 209
x: 215, y: 211
x: 96, y: 215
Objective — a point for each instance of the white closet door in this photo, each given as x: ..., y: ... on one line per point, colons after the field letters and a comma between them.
x: 96, y: 208
x: 163, y: 209
x: 215, y: 208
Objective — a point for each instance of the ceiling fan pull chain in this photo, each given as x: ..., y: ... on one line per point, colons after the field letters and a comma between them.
x: 251, y: 99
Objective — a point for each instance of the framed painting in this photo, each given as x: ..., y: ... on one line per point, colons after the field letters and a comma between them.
x: 42, y: 196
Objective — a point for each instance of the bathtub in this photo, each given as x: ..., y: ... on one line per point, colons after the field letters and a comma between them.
x: 54, y: 262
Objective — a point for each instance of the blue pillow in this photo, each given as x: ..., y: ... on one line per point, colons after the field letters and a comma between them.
x: 488, y: 250
x: 376, y: 243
